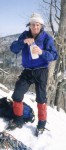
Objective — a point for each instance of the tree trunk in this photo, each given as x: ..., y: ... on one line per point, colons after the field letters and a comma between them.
x: 62, y: 44
x: 62, y: 24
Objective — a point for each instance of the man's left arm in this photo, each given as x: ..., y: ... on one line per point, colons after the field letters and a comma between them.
x: 50, y: 54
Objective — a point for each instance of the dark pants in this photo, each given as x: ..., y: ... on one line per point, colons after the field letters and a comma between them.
x: 28, y: 77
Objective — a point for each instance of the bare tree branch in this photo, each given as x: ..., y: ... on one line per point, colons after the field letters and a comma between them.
x: 51, y: 23
x: 56, y: 11
x: 52, y: 5
x: 56, y: 21
x: 57, y: 17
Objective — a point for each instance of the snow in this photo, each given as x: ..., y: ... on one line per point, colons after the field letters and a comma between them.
x: 54, y: 139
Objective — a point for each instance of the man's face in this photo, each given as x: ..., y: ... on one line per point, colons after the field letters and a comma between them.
x: 35, y: 28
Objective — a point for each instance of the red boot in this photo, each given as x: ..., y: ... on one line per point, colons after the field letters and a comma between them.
x: 18, y: 108
x: 18, y: 116
x: 42, y: 111
x: 42, y: 117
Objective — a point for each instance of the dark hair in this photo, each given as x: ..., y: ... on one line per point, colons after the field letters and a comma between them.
x: 28, y: 24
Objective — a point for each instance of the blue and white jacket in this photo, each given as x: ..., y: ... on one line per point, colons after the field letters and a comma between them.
x: 44, y: 41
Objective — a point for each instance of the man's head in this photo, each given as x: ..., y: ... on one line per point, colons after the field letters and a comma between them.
x: 36, y: 23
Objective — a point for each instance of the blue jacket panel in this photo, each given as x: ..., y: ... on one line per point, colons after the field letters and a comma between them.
x: 44, y: 41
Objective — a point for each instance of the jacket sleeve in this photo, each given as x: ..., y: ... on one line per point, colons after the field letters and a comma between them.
x: 50, y: 54
x: 18, y: 45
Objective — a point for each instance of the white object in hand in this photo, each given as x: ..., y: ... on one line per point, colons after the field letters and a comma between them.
x: 34, y: 56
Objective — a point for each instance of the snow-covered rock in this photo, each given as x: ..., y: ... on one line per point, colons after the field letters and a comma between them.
x: 55, y: 139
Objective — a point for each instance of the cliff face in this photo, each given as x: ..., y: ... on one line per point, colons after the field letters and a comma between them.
x: 6, y: 41
x: 10, y: 66
x: 7, y: 58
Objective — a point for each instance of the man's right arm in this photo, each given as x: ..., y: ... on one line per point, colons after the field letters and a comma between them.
x: 18, y: 45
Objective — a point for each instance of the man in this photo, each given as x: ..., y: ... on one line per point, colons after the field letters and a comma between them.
x: 35, y: 69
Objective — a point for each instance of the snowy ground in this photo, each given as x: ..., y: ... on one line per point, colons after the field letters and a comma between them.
x: 55, y: 139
